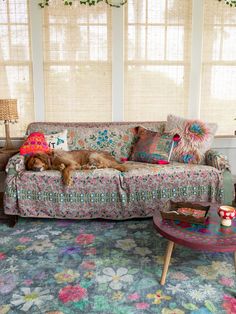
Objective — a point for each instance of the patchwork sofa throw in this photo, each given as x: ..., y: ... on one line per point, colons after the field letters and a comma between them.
x: 196, y: 138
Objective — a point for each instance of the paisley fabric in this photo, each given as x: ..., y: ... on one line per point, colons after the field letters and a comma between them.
x: 117, y: 137
x: 108, y: 193
x: 196, y: 138
x: 151, y: 146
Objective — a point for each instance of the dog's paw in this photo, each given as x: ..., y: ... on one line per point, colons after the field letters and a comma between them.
x: 68, y: 181
x: 61, y: 167
x: 92, y: 167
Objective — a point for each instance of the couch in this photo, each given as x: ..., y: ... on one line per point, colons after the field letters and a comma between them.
x: 108, y: 193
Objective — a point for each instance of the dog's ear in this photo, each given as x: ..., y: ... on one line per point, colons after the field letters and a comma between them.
x: 42, y: 156
x: 27, y: 162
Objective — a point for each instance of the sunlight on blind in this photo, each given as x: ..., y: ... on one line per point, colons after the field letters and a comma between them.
x: 157, y: 58
x: 15, y: 61
x: 77, y: 62
x: 218, y: 103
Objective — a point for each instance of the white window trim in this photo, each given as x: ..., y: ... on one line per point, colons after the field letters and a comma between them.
x: 196, y: 59
x: 118, y: 64
x: 37, y: 59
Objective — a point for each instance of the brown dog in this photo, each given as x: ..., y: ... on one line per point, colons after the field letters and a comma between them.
x: 66, y: 162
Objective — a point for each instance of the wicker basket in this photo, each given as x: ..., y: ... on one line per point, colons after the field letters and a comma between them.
x: 172, y: 212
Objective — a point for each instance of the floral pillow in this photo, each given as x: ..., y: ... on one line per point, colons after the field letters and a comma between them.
x: 151, y: 146
x: 34, y: 143
x: 57, y: 140
x: 196, y: 138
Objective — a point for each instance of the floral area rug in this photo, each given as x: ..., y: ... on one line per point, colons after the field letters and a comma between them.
x: 57, y: 266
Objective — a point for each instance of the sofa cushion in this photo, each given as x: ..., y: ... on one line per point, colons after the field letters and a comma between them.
x: 196, y: 138
x: 117, y: 137
x: 151, y: 146
x: 57, y: 140
x: 34, y: 143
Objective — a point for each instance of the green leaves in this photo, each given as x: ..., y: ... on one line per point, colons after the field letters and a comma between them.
x: 114, y: 3
x: 231, y: 3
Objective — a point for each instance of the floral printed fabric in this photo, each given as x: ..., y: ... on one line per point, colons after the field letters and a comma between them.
x: 68, y: 267
x: 151, y: 146
x: 108, y: 193
x: 116, y: 138
x: 195, y: 138
x: 217, y: 160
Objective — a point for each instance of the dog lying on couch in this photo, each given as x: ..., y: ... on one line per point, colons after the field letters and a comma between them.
x: 66, y: 162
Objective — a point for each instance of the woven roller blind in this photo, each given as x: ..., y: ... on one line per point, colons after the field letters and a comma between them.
x: 218, y: 103
x: 77, y: 62
x: 15, y: 62
x: 157, y: 58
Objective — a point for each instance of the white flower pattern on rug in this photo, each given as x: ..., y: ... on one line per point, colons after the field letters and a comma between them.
x: 29, y: 297
x: 116, y: 279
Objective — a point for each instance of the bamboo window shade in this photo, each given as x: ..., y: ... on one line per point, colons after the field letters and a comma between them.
x: 218, y: 99
x: 157, y: 58
x: 16, y: 63
x: 77, y: 62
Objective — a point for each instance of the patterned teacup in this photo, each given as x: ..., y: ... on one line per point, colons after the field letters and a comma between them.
x: 226, y: 213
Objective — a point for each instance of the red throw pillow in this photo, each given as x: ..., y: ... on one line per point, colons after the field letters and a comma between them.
x: 34, y: 143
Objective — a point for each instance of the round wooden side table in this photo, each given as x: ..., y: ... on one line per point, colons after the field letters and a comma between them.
x: 210, y: 236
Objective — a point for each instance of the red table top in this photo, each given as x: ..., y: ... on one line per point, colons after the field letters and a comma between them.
x: 210, y: 236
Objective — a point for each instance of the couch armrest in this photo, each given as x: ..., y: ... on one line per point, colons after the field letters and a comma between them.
x: 15, y: 165
x: 217, y: 160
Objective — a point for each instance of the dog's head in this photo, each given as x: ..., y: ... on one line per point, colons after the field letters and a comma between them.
x: 38, y: 162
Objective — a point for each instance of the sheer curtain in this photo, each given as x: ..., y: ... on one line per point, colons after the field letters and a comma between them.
x: 77, y: 62
x: 15, y: 61
x: 218, y: 101
x: 157, y: 58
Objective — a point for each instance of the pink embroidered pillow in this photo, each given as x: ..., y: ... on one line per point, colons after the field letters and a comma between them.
x: 196, y: 138
x: 34, y: 143
x: 151, y: 146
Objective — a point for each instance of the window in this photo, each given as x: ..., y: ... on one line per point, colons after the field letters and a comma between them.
x: 15, y: 61
x: 77, y: 62
x: 83, y: 63
x: 157, y: 58
x: 218, y: 102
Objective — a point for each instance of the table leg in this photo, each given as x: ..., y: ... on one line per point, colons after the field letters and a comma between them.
x: 169, y: 251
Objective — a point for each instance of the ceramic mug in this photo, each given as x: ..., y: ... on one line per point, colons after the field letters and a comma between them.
x: 226, y: 213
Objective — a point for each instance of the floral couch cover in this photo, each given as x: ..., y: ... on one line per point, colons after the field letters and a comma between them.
x: 108, y: 193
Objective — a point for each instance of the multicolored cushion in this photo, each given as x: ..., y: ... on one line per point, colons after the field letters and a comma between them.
x: 196, y: 138
x: 151, y: 146
x: 116, y: 138
x: 57, y: 140
x: 34, y: 143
